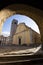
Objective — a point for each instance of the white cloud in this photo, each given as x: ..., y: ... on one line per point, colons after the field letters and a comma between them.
x: 5, y: 33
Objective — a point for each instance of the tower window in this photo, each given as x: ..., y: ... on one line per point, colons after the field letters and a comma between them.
x: 15, y: 23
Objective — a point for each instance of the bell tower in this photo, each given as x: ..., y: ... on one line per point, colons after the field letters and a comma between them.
x: 13, y: 27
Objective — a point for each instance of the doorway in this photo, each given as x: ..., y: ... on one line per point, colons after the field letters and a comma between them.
x: 19, y: 41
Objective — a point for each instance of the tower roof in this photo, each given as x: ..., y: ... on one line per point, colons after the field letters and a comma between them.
x: 14, y: 21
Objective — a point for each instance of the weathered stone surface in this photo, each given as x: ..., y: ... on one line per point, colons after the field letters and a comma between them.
x: 4, y: 14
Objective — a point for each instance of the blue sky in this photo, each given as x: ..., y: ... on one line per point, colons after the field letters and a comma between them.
x: 21, y: 18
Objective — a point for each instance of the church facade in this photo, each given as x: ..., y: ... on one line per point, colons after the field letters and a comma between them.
x: 25, y: 35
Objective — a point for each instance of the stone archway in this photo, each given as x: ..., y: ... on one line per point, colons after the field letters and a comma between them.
x: 31, y: 12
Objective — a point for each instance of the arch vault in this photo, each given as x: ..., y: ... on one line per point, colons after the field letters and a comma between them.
x: 34, y: 13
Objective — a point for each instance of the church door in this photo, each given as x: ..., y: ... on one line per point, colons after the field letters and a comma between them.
x: 19, y: 41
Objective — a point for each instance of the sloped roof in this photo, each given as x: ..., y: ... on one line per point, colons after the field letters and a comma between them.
x: 28, y: 27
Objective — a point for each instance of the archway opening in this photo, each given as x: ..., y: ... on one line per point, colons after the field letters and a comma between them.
x: 20, y: 31
x: 30, y: 23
